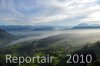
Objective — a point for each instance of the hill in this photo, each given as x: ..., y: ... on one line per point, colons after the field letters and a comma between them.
x: 4, y: 34
x: 5, y: 37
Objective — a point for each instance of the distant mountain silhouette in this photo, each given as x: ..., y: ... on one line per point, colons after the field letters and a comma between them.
x: 86, y: 26
x: 83, y: 24
x: 26, y: 27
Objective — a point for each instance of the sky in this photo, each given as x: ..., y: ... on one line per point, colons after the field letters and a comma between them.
x: 49, y: 12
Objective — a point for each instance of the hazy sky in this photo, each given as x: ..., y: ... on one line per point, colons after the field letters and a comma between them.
x: 64, y: 12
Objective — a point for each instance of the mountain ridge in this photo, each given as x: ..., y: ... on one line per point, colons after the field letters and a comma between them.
x: 86, y: 26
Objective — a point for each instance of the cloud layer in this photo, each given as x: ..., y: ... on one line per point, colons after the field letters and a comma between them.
x: 67, y: 12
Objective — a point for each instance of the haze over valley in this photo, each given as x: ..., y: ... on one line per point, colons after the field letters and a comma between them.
x: 55, y: 27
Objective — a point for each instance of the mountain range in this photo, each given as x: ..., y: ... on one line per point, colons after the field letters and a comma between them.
x: 86, y: 26
x: 46, y: 27
x: 26, y: 27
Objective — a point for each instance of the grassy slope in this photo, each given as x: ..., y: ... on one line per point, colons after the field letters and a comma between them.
x: 6, y: 37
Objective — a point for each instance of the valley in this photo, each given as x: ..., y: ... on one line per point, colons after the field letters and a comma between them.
x: 56, y: 43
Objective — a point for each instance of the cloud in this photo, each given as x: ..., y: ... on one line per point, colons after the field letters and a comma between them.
x: 93, y: 17
x: 48, y: 11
